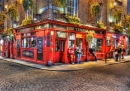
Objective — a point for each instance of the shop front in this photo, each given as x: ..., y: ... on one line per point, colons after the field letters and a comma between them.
x: 47, y: 42
x: 114, y: 39
x: 98, y: 42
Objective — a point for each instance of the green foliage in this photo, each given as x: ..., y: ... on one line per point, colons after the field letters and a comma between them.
x: 128, y: 22
x: 73, y: 19
x: 57, y: 3
x: 118, y: 28
x: 95, y: 9
x: 62, y: 3
x: 27, y: 4
x: 3, y: 17
x: 89, y: 36
x: 117, y: 15
x: 13, y: 12
x: 100, y: 25
x: 8, y: 31
x: 27, y: 21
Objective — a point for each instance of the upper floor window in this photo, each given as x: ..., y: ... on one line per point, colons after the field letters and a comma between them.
x: 72, y: 7
x: 128, y: 8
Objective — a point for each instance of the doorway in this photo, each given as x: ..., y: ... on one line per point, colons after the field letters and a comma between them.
x: 60, y: 51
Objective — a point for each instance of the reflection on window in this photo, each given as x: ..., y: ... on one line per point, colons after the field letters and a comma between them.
x: 115, y: 42
x: 28, y: 41
x: 79, y: 42
x: 108, y: 42
x: 71, y: 39
x: 57, y: 45
x: 62, y: 45
x: 33, y: 40
x: 97, y: 43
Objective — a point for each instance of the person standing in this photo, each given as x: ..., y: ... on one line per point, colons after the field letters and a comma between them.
x: 119, y: 52
x: 71, y: 54
x: 111, y: 51
x: 92, y: 51
x: 122, y: 51
x: 116, y: 54
x: 79, y: 53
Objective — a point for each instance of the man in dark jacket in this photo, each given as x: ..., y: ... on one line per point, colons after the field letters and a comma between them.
x: 92, y: 51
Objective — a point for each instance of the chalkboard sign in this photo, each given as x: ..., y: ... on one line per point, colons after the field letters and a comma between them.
x: 18, y: 48
x: 39, y: 48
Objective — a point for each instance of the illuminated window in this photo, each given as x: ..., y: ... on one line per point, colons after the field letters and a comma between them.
x: 97, y: 43
x: 71, y: 39
x: 29, y: 40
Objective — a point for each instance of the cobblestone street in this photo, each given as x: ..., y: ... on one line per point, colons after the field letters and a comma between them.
x: 16, y: 77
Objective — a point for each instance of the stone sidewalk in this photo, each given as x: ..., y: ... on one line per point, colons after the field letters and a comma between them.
x: 68, y: 67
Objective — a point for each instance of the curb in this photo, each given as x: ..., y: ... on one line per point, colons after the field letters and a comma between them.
x: 64, y: 67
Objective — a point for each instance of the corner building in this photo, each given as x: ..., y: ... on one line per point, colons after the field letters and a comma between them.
x: 47, y: 39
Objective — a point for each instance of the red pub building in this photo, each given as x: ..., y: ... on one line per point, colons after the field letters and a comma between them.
x: 48, y: 41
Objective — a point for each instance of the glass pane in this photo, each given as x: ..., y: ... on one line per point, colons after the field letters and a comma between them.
x: 57, y: 45
x: 79, y: 42
x: 97, y: 43
x: 33, y: 40
x: 28, y: 42
x: 62, y: 45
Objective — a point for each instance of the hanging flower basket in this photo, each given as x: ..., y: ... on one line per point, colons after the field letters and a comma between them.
x: 100, y: 25
x: 3, y: 16
x: 118, y: 28
x: 95, y: 9
x: 89, y: 36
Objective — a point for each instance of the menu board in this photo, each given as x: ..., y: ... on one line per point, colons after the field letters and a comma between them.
x: 39, y: 48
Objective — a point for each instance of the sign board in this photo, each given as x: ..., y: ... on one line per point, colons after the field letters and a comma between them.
x: 60, y: 34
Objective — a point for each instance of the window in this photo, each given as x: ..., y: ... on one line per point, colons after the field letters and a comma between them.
x: 100, y: 13
x: 72, y: 7
x: 128, y: 7
x: 57, y: 45
x: 97, y: 43
x: 71, y: 39
x: 29, y: 40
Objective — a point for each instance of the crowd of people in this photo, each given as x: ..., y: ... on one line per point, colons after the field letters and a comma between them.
x: 117, y: 53
x: 75, y: 53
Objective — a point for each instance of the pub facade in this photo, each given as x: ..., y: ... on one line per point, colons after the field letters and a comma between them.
x: 49, y: 40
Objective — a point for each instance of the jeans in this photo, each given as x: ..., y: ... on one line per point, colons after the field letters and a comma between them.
x: 111, y: 54
x: 78, y: 58
x: 117, y: 57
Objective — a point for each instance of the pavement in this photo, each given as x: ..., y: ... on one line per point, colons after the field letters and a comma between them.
x: 69, y: 67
